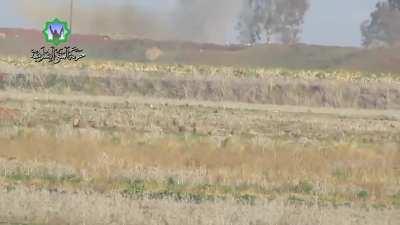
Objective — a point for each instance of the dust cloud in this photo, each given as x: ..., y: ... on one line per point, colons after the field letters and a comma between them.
x: 191, y: 20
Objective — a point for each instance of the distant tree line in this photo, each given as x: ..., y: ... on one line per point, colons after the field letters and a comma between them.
x: 272, y: 20
x: 281, y: 21
x: 394, y: 4
x: 383, y: 27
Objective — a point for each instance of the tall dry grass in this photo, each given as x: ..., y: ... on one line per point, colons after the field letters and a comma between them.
x: 23, y: 205
x: 77, y: 159
x: 266, y: 86
x: 279, y: 91
x: 262, y: 124
x: 342, y: 168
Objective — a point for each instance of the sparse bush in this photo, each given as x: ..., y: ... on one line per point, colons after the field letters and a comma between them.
x: 295, y: 200
x: 363, y: 195
x: 246, y: 199
x: 341, y: 174
x: 396, y: 200
x: 304, y: 187
x: 134, y: 189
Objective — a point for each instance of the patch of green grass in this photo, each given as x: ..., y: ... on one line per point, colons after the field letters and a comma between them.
x: 70, y: 178
x: 115, y: 139
x: 17, y: 223
x: 335, y: 199
x: 396, y: 200
x: 171, y: 182
x: 246, y: 199
x: 170, y: 188
x: 23, y: 176
x: 10, y: 188
x: 379, y: 206
x: 363, y: 195
x: 183, y: 196
x: 134, y: 188
x: 18, y: 177
x: 304, y: 187
x: 296, y: 200
x: 341, y: 174
x: 225, y: 189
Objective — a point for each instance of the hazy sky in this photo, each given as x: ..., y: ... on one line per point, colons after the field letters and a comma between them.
x: 329, y: 22
x: 336, y: 22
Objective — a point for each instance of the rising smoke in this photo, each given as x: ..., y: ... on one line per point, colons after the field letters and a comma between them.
x: 206, y: 20
x: 102, y: 17
x: 193, y: 20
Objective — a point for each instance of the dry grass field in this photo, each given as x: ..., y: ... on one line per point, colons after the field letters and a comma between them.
x: 109, y: 142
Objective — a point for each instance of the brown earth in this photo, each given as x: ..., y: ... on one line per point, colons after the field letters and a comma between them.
x: 21, y: 41
x: 8, y: 114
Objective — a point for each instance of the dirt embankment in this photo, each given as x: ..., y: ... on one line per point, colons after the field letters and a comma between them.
x: 21, y: 41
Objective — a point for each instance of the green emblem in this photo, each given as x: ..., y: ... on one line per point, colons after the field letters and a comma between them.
x: 56, y: 32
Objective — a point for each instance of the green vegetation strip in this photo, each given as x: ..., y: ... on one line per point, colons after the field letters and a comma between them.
x: 301, y: 194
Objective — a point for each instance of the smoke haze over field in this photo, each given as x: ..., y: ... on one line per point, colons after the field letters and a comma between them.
x: 195, y: 20
x: 206, y: 20
x: 104, y: 18
x: 200, y: 20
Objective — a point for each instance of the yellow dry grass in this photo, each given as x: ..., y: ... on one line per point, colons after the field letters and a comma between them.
x: 105, y: 67
x: 84, y: 153
x: 44, y: 207
x: 342, y: 169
